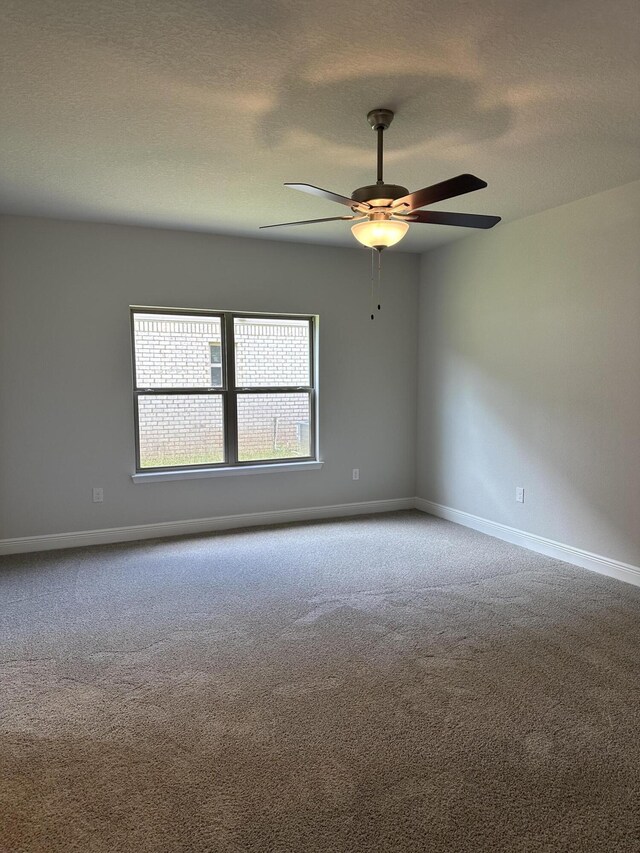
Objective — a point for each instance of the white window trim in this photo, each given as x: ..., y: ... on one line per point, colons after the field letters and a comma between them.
x: 235, y: 471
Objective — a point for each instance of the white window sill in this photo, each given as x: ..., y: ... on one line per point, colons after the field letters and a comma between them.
x: 241, y: 470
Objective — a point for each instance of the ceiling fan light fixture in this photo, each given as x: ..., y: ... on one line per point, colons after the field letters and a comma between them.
x: 379, y: 233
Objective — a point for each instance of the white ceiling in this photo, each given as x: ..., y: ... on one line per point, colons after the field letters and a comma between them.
x: 192, y: 113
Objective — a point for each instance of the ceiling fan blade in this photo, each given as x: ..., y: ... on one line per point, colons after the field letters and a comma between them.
x: 341, y: 199
x: 439, y: 217
x: 439, y: 192
x: 308, y: 221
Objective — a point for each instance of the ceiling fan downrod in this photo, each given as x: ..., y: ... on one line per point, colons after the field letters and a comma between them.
x: 378, y: 197
x: 380, y: 119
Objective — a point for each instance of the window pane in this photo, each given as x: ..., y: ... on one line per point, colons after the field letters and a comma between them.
x: 180, y: 429
x: 216, y: 353
x: 273, y: 426
x: 173, y: 350
x: 216, y: 377
x: 272, y: 352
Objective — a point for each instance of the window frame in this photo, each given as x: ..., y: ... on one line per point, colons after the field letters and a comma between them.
x: 228, y: 390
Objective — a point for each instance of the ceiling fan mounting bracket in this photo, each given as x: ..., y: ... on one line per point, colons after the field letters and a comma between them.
x: 380, y: 119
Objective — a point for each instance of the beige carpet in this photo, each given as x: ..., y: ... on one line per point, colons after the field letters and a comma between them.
x: 389, y: 683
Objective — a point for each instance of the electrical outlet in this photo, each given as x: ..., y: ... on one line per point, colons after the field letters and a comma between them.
x: 356, y: 473
x: 520, y: 494
x: 98, y: 496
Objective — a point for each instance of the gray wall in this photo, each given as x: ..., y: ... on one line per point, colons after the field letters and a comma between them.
x: 66, y: 419
x: 529, y: 374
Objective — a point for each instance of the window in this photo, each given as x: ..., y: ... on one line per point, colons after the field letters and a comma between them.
x: 222, y: 389
x: 215, y: 352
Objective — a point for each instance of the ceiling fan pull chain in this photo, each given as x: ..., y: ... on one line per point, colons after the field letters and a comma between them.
x: 373, y: 251
x: 379, y: 279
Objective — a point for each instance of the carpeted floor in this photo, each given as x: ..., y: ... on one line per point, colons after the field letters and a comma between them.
x: 389, y: 683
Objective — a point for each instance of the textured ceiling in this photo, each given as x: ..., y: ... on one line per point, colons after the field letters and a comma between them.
x: 193, y: 113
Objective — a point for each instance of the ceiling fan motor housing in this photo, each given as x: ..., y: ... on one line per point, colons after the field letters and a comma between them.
x: 379, y: 192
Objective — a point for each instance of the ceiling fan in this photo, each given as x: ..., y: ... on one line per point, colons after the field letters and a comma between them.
x: 382, y: 212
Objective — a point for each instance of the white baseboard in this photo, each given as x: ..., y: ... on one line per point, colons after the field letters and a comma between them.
x: 198, y: 525
x: 558, y: 550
